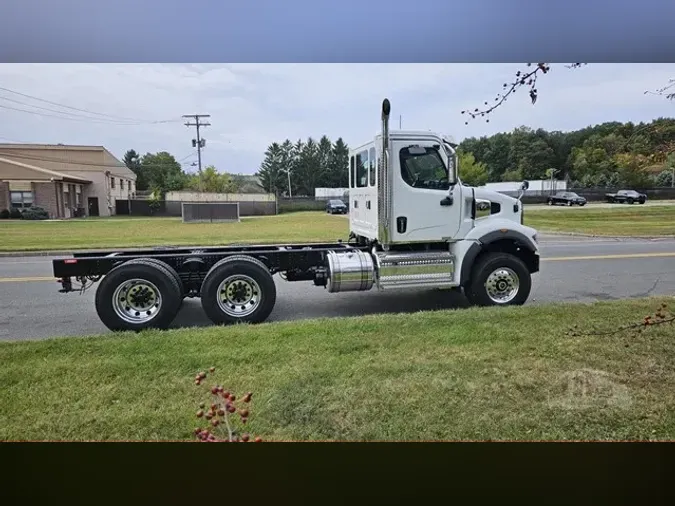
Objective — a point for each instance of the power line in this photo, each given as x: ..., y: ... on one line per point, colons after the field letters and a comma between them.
x: 74, y: 115
x: 199, y: 143
x: 84, y: 110
x: 91, y: 120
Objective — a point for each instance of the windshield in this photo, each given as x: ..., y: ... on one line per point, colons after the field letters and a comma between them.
x: 336, y: 203
x: 423, y: 167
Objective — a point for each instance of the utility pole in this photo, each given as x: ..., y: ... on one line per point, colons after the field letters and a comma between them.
x: 199, y: 143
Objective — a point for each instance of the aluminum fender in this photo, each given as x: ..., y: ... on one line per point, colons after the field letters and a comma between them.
x: 487, y: 230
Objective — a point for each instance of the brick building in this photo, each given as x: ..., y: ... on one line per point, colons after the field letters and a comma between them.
x: 67, y: 181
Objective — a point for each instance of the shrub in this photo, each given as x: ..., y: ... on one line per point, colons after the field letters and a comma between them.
x: 15, y: 214
x: 35, y: 213
x: 221, y: 413
x: 4, y: 214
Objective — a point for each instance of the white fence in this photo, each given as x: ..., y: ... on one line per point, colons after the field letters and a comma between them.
x: 219, y: 197
x: 537, y: 186
x: 330, y: 193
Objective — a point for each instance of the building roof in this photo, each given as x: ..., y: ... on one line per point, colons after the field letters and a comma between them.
x: 51, y: 174
x: 113, y: 165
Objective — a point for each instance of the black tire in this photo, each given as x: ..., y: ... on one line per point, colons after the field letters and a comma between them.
x: 630, y: 201
x: 249, y: 269
x: 170, y: 295
x: 476, y: 291
x: 582, y: 204
x: 171, y: 270
x: 642, y: 201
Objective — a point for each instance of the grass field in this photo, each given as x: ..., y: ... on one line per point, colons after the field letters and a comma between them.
x: 498, y: 373
x: 138, y: 232
x: 296, y: 227
x: 618, y: 221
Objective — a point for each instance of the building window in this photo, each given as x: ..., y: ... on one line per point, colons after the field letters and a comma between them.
x: 121, y: 184
x: 423, y: 167
x: 112, y: 182
x: 361, y: 169
x: 21, y: 199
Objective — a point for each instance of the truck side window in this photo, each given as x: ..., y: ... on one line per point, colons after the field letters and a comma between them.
x: 362, y: 169
x: 423, y: 167
x: 352, y: 174
x: 373, y: 166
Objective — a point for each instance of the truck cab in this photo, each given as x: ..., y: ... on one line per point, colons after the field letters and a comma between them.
x: 406, y: 198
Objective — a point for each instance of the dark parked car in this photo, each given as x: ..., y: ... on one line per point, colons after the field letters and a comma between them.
x: 336, y: 207
x: 626, y: 197
x: 566, y: 199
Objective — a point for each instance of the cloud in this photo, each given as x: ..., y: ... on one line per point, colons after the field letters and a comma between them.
x: 253, y: 105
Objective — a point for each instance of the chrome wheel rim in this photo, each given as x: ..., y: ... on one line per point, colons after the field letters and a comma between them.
x: 239, y: 295
x: 502, y: 285
x: 137, y: 301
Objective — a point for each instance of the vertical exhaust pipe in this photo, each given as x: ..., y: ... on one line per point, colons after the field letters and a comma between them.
x: 384, y: 186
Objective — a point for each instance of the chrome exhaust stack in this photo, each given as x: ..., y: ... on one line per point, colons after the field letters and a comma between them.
x: 384, y: 200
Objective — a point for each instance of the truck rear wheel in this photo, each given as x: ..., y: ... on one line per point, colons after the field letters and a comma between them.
x: 171, y: 270
x: 138, y: 295
x: 499, y: 279
x: 238, y: 289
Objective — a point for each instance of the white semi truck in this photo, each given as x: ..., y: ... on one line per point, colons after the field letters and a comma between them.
x: 412, y: 224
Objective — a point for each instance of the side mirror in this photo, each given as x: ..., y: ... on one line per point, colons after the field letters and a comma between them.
x: 525, y: 185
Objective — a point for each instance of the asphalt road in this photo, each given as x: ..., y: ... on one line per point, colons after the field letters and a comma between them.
x: 573, y: 269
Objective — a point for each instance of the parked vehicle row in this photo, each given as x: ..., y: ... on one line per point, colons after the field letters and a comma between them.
x: 626, y: 197
x: 573, y: 199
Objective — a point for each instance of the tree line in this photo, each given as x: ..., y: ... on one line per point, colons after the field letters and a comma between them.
x: 162, y: 173
x: 604, y: 155
x: 297, y: 168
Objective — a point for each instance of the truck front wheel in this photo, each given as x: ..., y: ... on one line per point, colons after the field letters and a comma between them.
x: 138, y: 295
x: 499, y: 279
x: 238, y: 289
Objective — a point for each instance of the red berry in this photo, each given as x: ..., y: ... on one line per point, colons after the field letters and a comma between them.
x: 200, y: 413
x: 214, y: 407
x: 214, y: 390
x: 212, y: 369
x: 247, y: 397
x: 258, y: 439
x: 215, y: 422
x: 233, y: 397
x: 245, y: 437
x: 220, y: 389
x: 221, y: 412
x: 208, y: 415
x: 197, y: 431
x: 243, y: 413
x: 197, y: 382
x: 231, y: 409
x: 202, y: 375
x: 226, y: 394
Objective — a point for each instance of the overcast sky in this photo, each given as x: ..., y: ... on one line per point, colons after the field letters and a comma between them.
x: 253, y: 105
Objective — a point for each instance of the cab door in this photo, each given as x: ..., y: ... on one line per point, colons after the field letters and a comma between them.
x: 425, y: 206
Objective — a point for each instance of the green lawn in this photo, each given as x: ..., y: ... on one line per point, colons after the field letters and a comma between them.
x: 498, y: 373
x: 612, y: 221
x: 137, y: 232
x: 295, y: 227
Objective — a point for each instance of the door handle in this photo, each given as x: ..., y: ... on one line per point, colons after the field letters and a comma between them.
x: 367, y: 204
x: 447, y: 201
